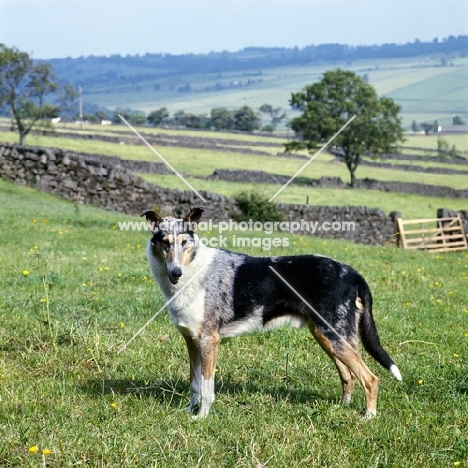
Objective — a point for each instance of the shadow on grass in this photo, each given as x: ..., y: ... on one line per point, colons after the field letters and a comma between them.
x: 176, y: 392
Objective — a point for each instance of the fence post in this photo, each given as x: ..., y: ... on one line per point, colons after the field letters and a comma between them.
x: 395, y: 215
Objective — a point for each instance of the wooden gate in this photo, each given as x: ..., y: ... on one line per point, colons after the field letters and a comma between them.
x: 435, y: 235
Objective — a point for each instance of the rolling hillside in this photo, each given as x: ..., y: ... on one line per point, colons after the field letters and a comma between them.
x: 430, y: 83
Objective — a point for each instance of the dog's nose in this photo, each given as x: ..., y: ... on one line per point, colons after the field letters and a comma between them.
x: 176, y: 272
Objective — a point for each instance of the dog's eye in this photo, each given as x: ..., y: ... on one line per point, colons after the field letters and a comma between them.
x: 166, y: 243
x: 184, y: 243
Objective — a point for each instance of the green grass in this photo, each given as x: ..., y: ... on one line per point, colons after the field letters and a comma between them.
x: 75, y: 288
x: 411, y: 206
x: 430, y: 141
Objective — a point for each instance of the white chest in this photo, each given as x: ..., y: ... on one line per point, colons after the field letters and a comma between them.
x: 185, y: 300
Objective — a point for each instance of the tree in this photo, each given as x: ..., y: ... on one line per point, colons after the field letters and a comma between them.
x: 138, y: 118
x: 414, y: 126
x: 428, y: 128
x: 131, y: 116
x: 222, y: 119
x: 275, y: 114
x: 246, y: 120
x: 190, y: 120
x: 157, y: 117
x: 444, y: 150
x: 328, y: 104
x: 67, y: 95
x: 457, y: 120
x: 23, y: 87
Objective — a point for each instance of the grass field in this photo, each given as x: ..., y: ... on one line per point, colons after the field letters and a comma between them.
x: 75, y: 288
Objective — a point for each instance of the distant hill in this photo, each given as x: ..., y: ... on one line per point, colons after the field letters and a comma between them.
x: 256, y: 75
x: 135, y: 68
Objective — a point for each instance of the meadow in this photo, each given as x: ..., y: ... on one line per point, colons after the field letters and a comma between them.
x: 75, y: 289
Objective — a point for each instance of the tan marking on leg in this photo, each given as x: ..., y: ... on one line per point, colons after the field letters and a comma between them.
x: 195, y: 374
x: 208, y: 352
x: 348, y: 380
x: 355, y: 364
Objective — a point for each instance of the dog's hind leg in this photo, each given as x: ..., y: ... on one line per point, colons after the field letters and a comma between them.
x: 208, y: 352
x: 348, y: 380
x: 195, y: 373
x: 347, y: 355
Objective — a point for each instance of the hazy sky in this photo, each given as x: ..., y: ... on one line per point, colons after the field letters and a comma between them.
x: 61, y: 28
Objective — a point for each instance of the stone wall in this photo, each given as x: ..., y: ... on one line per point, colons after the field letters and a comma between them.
x: 261, y: 177
x: 108, y: 183
x: 444, y: 213
x: 100, y: 181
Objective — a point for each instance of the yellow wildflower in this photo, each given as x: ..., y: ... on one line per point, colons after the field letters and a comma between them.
x: 46, y: 452
x: 33, y: 449
x: 25, y: 272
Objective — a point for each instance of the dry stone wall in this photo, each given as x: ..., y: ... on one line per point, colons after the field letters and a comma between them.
x: 99, y: 181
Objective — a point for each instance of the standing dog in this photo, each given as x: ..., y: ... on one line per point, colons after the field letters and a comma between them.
x: 215, y: 293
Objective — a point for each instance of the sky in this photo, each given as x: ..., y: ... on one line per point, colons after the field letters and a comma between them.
x: 71, y: 28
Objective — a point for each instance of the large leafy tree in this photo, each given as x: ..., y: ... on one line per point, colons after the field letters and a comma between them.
x: 222, y: 119
x: 328, y: 104
x: 246, y: 120
x: 23, y: 87
x: 157, y: 117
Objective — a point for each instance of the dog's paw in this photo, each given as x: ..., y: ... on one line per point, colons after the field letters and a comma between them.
x: 189, y: 408
x: 369, y: 414
x: 202, y: 414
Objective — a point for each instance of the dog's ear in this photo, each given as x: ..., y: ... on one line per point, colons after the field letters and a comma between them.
x: 153, y: 219
x: 194, y: 216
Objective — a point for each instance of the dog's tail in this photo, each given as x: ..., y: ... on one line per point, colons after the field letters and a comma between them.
x: 369, y: 336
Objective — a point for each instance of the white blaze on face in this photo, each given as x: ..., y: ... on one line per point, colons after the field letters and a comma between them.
x: 176, y: 263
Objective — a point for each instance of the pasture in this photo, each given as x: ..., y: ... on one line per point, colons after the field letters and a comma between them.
x: 75, y: 288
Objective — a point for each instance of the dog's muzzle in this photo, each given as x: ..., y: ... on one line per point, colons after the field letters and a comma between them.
x: 174, y: 275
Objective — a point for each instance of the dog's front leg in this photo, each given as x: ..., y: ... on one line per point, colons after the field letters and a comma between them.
x: 208, y: 353
x: 195, y: 372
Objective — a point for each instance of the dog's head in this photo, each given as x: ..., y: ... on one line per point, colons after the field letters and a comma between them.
x: 174, y: 241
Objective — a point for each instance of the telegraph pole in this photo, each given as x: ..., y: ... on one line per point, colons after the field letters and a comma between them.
x: 80, y: 105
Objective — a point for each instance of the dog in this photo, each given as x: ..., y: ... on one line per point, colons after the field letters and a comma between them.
x: 213, y: 293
